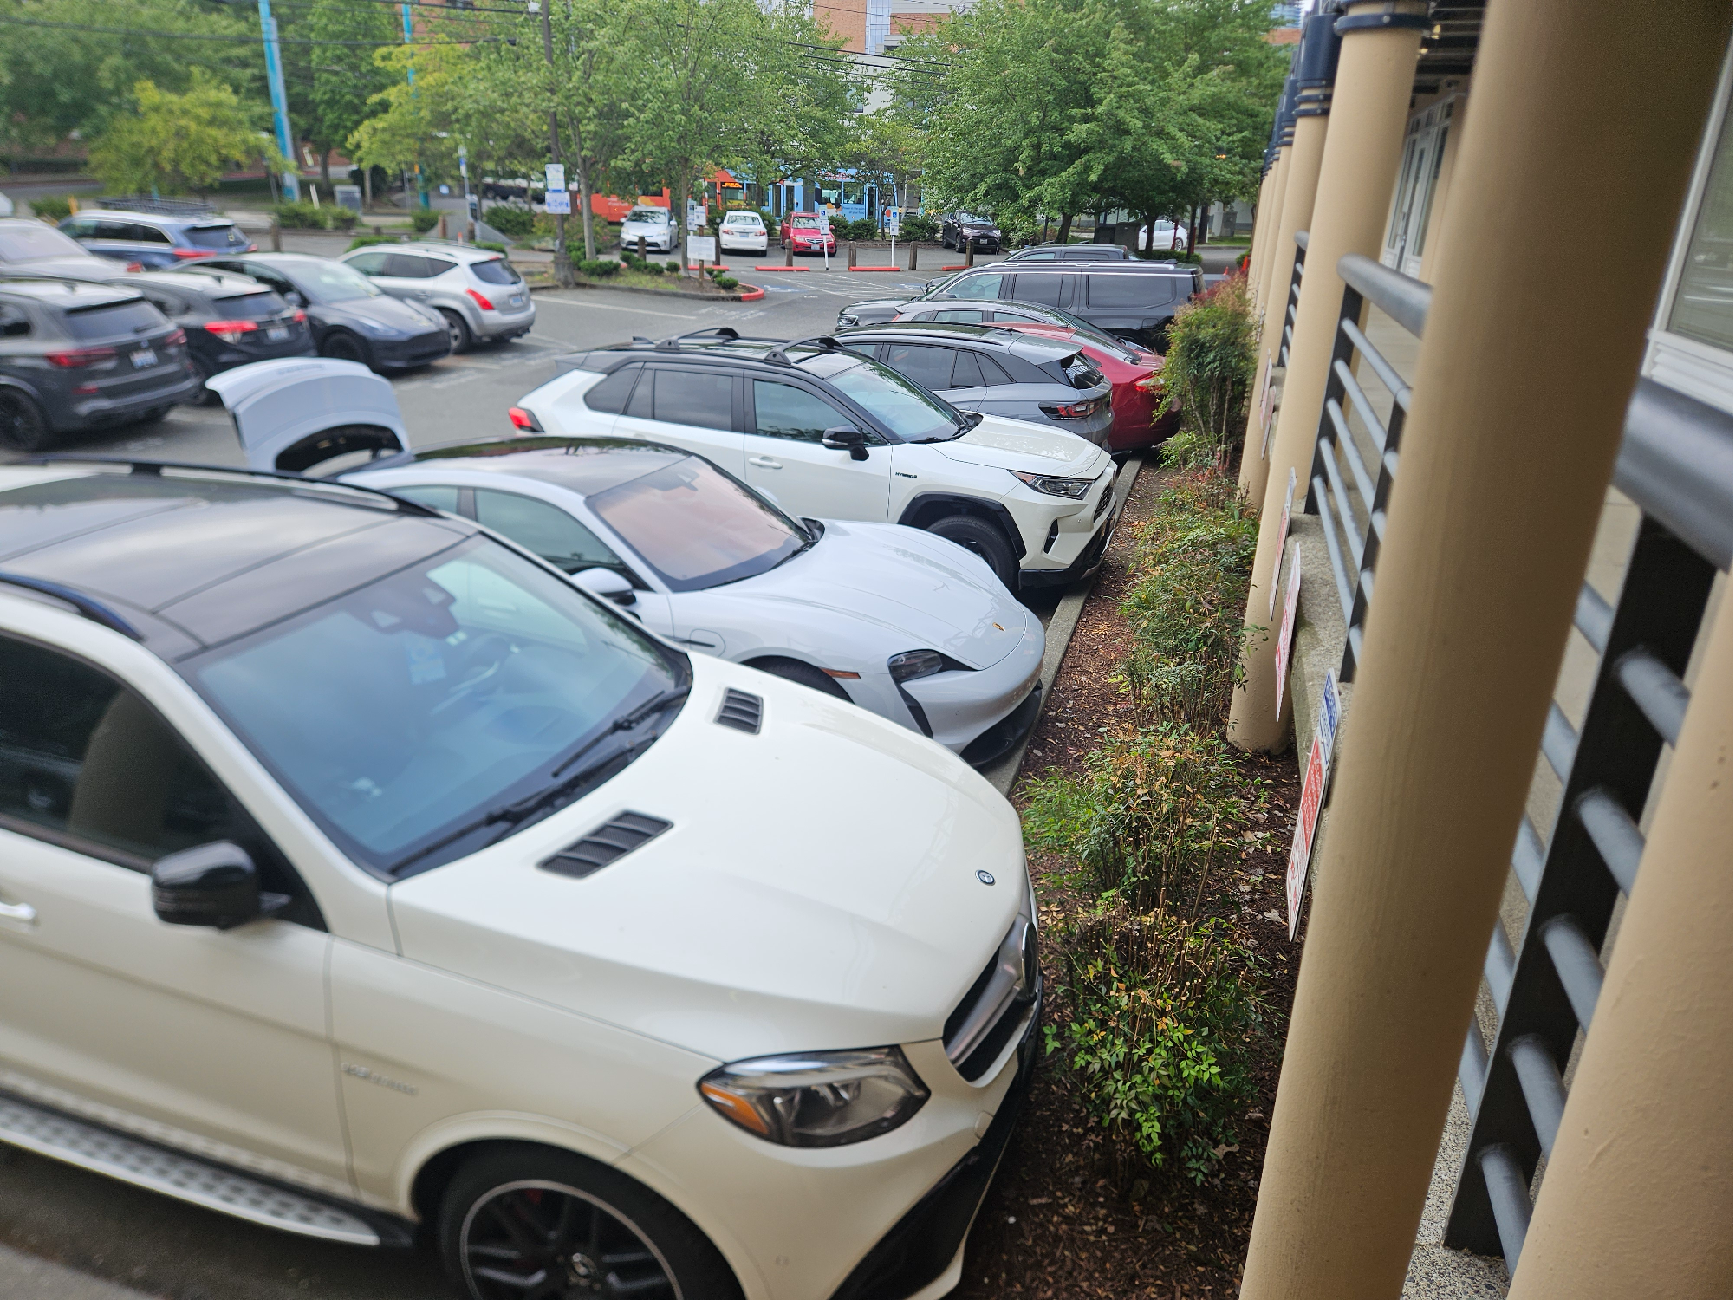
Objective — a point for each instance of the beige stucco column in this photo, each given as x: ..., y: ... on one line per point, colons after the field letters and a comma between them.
x: 1261, y: 234
x: 1305, y: 156
x: 1638, y: 1194
x: 1520, y: 388
x: 1356, y: 174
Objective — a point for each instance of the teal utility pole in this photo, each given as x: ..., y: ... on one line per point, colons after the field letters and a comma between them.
x: 408, y: 39
x: 280, y: 100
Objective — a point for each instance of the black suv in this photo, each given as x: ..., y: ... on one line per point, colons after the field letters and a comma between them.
x: 1133, y: 300
x: 229, y: 319
x: 77, y: 356
x: 963, y: 231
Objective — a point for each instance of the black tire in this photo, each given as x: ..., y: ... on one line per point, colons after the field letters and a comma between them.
x: 794, y: 671
x: 457, y: 330
x: 153, y: 415
x: 340, y: 345
x: 520, y: 1210
x: 983, y: 539
x: 23, y: 427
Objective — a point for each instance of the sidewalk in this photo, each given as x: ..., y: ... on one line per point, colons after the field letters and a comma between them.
x: 25, y: 1277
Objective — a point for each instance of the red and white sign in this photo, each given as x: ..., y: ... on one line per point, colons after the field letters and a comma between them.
x: 1300, y: 856
x: 1282, y: 535
x: 1285, y: 638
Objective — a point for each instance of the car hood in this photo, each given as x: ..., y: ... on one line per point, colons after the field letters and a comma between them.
x: 99, y: 270
x: 919, y: 591
x: 1021, y: 444
x: 817, y: 887
x: 383, y: 310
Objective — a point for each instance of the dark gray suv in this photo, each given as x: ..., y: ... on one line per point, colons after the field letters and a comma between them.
x: 79, y: 356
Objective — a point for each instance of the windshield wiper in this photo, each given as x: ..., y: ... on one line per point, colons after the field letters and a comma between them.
x: 519, y: 811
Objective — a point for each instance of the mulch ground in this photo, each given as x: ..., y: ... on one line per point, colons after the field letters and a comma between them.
x: 1059, y: 1221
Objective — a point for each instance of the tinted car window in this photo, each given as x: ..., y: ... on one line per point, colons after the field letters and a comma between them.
x: 139, y: 233
x: 966, y: 373
x: 14, y: 322
x: 115, y: 321
x: 928, y: 366
x: 1044, y: 289
x: 371, y: 262
x: 407, y: 266
x: 219, y: 238
x: 27, y: 239
x: 110, y: 228
x: 1134, y: 290
x: 702, y: 398
x: 784, y: 411
x: 958, y: 315
x: 697, y: 528
x: 911, y: 413
x: 437, y: 265
x: 546, y: 530
x: 976, y: 286
x: 611, y: 392
x: 495, y: 271
x: 250, y: 306
x: 432, y: 494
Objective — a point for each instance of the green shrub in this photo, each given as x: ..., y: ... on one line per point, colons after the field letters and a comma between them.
x: 673, y: 268
x: 918, y: 227
x: 651, y: 268
x: 423, y: 220
x: 1164, y: 1012
x: 1211, y: 360
x: 363, y: 241
x: 727, y: 282
x: 599, y: 269
x: 341, y: 218
x: 299, y: 216
x: 492, y: 247
x: 510, y: 220
x: 51, y: 208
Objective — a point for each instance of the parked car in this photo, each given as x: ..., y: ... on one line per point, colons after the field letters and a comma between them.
x: 743, y: 232
x: 76, y: 357
x: 353, y: 319
x: 229, y: 320
x: 963, y: 231
x: 155, y: 242
x: 1070, y: 253
x: 373, y: 882
x: 996, y: 372
x: 807, y: 232
x: 1167, y: 236
x: 1131, y: 300
x: 29, y: 248
x: 655, y: 226
x: 828, y: 433
x: 479, y: 294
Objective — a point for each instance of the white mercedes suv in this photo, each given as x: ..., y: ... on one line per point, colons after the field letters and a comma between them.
x: 831, y: 434
x: 360, y: 874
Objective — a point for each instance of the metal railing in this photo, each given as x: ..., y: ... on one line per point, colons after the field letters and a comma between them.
x: 1676, y: 464
x: 1349, y: 499
x: 1292, y: 306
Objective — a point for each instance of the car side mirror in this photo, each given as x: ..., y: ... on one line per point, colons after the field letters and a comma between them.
x: 607, y: 584
x: 845, y: 438
x: 213, y: 884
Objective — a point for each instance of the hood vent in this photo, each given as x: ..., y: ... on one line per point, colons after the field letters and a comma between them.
x: 605, y: 844
x: 741, y: 711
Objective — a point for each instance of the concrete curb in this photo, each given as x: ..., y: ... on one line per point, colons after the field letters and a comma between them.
x: 1003, y: 774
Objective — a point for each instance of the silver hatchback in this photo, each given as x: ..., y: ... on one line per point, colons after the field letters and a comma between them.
x: 479, y: 293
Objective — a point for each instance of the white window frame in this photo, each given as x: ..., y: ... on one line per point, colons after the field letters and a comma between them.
x: 1422, y: 153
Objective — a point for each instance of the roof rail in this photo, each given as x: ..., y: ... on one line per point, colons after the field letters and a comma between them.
x: 154, y: 469
x: 89, y: 607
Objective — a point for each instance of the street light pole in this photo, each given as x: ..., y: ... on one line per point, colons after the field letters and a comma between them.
x: 409, y: 39
x: 562, y: 256
x: 280, y: 101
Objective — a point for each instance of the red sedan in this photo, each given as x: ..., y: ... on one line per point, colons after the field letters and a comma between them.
x: 807, y: 232
x: 1136, y: 378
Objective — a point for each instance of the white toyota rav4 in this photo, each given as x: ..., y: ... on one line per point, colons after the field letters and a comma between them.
x: 830, y: 434
x: 358, y: 872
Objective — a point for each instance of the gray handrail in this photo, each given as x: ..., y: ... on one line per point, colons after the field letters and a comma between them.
x: 1400, y: 297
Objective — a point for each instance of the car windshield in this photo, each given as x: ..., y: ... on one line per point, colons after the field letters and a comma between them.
x: 426, y: 714
x: 910, y: 412
x: 655, y: 216
x: 221, y: 237
x: 22, y: 241
x: 803, y: 223
x: 1085, y: 331
x: 328, y: 282
x: 696, y: 527
x: 741, y: 219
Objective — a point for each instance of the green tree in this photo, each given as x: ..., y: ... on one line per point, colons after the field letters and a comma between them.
x: 175, y: 143
x: 344, y: 77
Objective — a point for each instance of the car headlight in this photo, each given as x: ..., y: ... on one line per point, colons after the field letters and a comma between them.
x: 848, y: 318
x: 1075, y: 488
x: 911, y: 664
x: 817, y: 1099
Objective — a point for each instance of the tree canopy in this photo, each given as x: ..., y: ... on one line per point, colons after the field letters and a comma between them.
x: 175, y: 143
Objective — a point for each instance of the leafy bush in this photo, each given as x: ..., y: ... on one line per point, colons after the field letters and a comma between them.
x: 1211, y: 360
x: 510, y: 220
x: 727, y: 282
x: 599, y: 269
x: 1164, y: 1011
x: 673, y: 268
x: 918, y: 227
x: 363, y: 241
x: 341, y: 218
x: 299, y: 216
x: 51, y: 208
x: 492, y: 247
x: 423, y: 220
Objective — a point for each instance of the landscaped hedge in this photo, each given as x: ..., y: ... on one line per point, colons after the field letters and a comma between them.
x: 54, y: 209
x: 510, y: 220
x: 423, y: 220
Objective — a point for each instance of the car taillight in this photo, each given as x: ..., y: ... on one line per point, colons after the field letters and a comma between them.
x: 1072, y: 410
x: 1150, y: 383
x: 135, y: 266
x: 82, y: 358
x: 481, y: 302
x: 300, y: 318
x: 193, y: 252
x: 523, y: 420
x: 230, y: 331
x: 176, y: 339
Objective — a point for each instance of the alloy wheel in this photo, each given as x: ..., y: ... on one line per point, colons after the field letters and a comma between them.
x: 538, y: 1240
x: 22, y: 427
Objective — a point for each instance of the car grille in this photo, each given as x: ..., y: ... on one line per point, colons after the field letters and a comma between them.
x: 997, y: 1004
x: 1106, y: 500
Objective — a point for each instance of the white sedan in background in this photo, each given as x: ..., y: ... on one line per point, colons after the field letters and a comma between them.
x: 743, y: 232
x: 901, y: 622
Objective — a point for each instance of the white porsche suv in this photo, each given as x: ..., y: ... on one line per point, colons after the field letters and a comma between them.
x: 831, y: 434
x: 361, y: 874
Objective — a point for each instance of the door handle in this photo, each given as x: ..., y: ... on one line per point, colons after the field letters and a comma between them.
x: 764, y: 462
x: 18, y: 913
